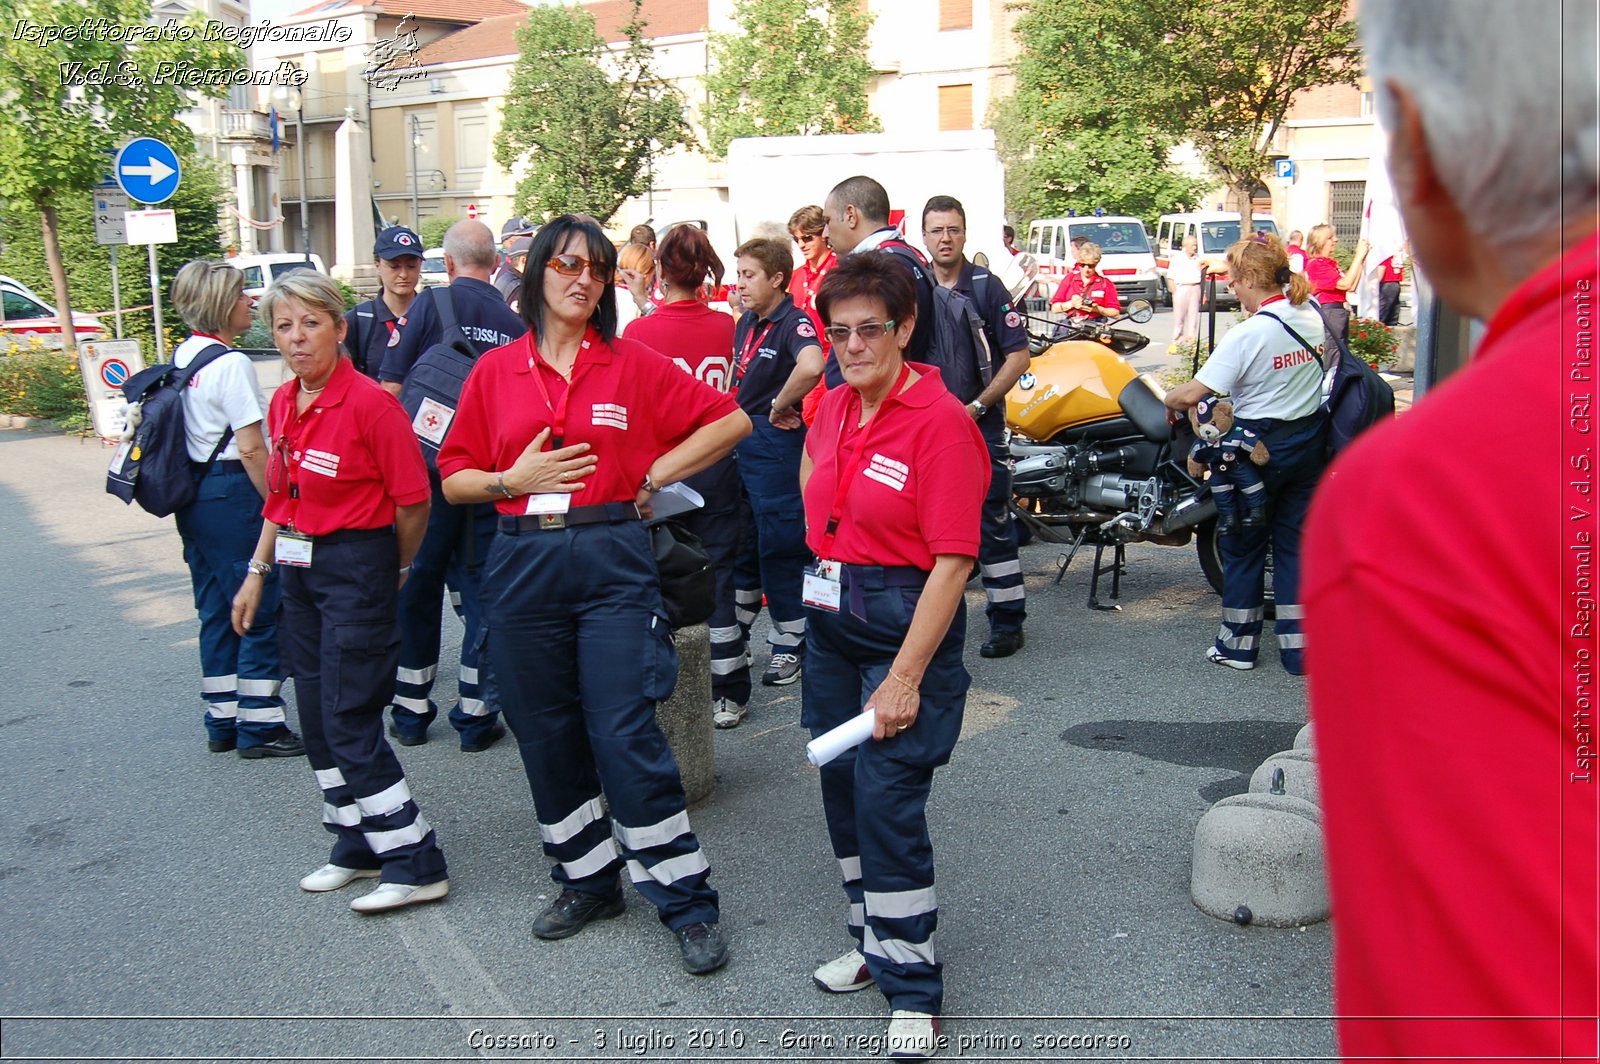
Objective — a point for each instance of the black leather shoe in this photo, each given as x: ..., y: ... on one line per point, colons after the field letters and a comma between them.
x: 484, y: 741
x: 1228, y: 525
x: 1003, y: 644
x: 1256, y: 518
x: 703, y: 948
x: 284, y: 746
x: 221, y: 746
x: 407, y: 738
x: 573, y: 911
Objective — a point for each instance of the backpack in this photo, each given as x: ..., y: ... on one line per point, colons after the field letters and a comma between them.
x: 433, y: 387
x: 1358, y: 397
x: 152, y: 466
x: 959, y: 347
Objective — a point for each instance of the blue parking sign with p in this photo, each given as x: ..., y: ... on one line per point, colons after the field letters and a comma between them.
x: 1286, y: 169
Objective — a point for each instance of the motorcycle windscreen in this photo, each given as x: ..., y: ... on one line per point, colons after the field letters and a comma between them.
x: 1073, y: 383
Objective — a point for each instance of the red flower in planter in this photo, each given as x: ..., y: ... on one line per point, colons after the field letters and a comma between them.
x: 1361, y: 336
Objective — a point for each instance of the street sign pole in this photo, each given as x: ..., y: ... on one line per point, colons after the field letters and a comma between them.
x: 155, y: 299
x: 116, y: 293
x: 148, y: 170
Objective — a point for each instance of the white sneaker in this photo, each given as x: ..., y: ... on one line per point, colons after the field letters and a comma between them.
x: 726, y: 713
x: 1216, y: 657
x: 844, y: 975
x: 912, y: 1035
x: 398, y: 895
x: 332, y: 877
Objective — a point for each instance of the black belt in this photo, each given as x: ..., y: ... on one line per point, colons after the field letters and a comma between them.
x: 598, y: 514
x: 354, y: 535
x: 223, y: 465
x: 872, y: 577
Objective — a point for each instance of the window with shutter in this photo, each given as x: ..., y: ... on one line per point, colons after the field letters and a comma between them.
x: 955, y: 106
x: 955, y: 14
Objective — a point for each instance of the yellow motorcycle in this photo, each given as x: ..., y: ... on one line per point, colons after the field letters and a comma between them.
x: 1096, y: 460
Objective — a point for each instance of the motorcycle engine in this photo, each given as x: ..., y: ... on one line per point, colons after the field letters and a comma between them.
x: 1041, y: 474
x: 1111, y: 492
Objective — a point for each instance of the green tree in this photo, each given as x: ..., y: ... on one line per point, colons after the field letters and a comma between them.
x: 63, y: 120
x: 585, y: 121
x: 793, y: 67
x: 1221, y: 73
x: 432, y: 230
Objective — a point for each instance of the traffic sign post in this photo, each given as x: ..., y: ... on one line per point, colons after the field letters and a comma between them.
x: 1285, y: 170
x: 148, y: 170
x: 152, y: 228
x: 105, y: 365
x: 110, y: 228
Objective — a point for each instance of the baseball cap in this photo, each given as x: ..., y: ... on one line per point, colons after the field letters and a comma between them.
x: 520, y: 246
x: 516, y: 226
x: 395, y: 241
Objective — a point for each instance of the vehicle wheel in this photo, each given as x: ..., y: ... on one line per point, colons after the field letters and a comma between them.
x: 1210, y: 550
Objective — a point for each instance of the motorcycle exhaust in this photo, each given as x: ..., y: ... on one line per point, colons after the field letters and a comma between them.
x: 1190, y: 512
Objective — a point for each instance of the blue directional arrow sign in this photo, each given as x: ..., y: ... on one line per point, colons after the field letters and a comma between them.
x: 148, y: 170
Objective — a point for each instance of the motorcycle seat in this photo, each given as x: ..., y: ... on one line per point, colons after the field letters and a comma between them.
x: 1143, y: 404
x: 1109, y: 429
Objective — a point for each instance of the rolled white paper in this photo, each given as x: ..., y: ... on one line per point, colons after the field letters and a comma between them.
x: 852, y: 733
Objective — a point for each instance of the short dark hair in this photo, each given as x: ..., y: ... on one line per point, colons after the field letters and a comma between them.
x: 686, y: 257
x: 865, y: 195
x: 642, y: 234
x: 774, y: 255
x: 808, y: 220
x: 869, y: 277
x: 1010, y: 233
x: 943, y: 203
x: 547, y: 243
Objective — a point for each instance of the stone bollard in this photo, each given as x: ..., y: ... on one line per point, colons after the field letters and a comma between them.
x: 1299, y: 775
x: 686, y: 716
x: 1405, y: 355
x: 1302, y: 738
x: 1258, y: 858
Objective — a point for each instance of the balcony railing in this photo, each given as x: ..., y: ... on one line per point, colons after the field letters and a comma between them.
x: 317, y: 188
x: 246, y: 125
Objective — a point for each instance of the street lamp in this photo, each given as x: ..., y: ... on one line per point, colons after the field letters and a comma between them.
x: 416, y: 142
x: 290, y: 97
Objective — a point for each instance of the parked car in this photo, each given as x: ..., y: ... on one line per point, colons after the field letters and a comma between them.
x: 1126, y: 257
x: 25, y: 314
x: 433, y: 269
x: 261, y: 270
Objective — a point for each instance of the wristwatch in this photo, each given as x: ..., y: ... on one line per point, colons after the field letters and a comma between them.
x: 978, y: 408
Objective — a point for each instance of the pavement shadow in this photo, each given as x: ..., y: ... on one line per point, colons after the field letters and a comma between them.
x: 1238, y: 746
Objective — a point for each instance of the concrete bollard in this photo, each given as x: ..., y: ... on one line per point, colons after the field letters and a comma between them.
x: 1302, y: 738
x: 1405, y: 356
x: 1299, y: 775
x: 686, y: 716
x: 1258, y: 858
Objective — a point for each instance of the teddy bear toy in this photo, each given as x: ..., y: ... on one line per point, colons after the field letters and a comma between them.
x: 1232, y: 453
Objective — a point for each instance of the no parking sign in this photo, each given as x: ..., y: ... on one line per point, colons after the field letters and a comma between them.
x: 106, y: 365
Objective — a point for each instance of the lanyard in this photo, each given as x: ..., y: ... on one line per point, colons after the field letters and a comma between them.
x: 558, y: 409
x: 858, y: 462
x: 751, y: 346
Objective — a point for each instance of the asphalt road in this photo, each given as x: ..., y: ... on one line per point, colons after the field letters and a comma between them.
x: 147, y: 887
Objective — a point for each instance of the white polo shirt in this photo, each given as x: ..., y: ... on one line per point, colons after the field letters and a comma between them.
x: 224, y: 393
x: 1267, y: 372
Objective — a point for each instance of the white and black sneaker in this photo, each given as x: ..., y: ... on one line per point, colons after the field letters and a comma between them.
x: 726, y: 713
x: 1217, y: 657
x: 782, y: 669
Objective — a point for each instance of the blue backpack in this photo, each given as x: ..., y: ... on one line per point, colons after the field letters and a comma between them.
x: 959, y: 346
x: 1359, y: 397
x: 432, y: 390
x: 152, y: 468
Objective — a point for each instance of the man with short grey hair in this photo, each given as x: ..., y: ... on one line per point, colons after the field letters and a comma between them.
x: 1448, y: 581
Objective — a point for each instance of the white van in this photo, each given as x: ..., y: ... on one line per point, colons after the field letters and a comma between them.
x: 1127, y: 256
x: 433, y: 273
x: 1216, y: 231
x: 261, y: 270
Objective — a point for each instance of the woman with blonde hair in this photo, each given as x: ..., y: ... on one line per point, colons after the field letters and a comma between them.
x: 635, y: 281
x: 1270, y: 366
x: 1329, y: 285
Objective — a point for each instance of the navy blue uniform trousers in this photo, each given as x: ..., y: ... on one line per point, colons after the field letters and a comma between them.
x: 581, y: 653
x: 773, y: 552
x: 453, y: 551
x: 340, y: 642
x: 997, y: 546
x: 875, y: 797
x: 239, y: 675
x: 1298, y: 458
x: 719, y: 526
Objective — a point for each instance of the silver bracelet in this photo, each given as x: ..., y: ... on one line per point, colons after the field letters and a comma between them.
x: 499, y: 486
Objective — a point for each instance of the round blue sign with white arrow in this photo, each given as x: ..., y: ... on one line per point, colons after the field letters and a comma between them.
x: 148, y: 170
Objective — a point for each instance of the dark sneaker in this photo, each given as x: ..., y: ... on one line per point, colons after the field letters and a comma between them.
x: 285, y: 746
x: 703, y: 948
x: 1003, y: 644
x: 405, y: 738
x: 484, y: 741
x: 782, y: 669
x: 221, y: 746
x: 572, y: 912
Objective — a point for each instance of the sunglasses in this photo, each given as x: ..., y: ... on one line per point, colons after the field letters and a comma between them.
x: 573, y: 265
x: 839, y: 335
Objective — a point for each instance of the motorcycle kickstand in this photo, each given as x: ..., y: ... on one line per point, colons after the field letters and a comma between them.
x: 1118, y: 563
x: 1064, y: 560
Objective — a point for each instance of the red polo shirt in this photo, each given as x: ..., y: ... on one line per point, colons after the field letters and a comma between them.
x: 345, y: 463
x: 698, y: 339
x: 916, y: 476
x: 1324, y: 275
x: 1392, y: 274
x: 629, y: 403
x: 1099, y: 290
x: 803, y: 286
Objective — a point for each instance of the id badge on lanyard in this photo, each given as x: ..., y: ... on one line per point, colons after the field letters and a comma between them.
x: 821, y: 587
x: 293, y: 548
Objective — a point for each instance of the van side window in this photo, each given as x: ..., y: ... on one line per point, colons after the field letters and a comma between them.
x: 1061, y: 243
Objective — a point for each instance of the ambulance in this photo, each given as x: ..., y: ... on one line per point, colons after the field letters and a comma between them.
x: 1127, y: 258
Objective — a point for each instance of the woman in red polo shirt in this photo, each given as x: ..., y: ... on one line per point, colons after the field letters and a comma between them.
x: 1086, y: 294
x: 347, y: 504
x: 805, y: 226
x: 894, y: 478
x: 1329, y: 287
x: 571, y: 431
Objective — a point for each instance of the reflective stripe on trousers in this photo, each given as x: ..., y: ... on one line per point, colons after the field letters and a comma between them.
x: 772, y: 552
x: 1000, y: 567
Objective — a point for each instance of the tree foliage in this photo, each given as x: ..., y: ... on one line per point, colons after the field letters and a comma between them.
x: 793, y: 67
x: 1221, y: 74
x: 586, y: 122
x: 63, y: 122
